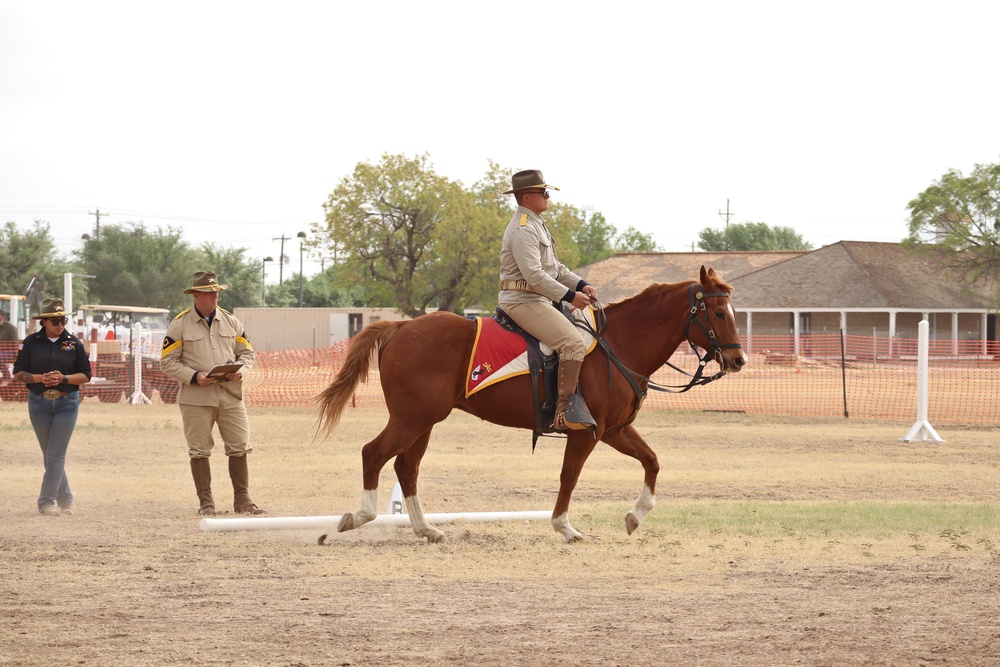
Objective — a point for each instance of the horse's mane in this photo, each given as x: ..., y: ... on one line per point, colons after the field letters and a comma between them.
x: 662, y: 288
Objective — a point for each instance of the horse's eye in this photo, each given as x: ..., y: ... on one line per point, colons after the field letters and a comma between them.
x: 720, y: 314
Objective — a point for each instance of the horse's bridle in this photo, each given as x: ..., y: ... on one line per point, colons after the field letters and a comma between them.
x: 696, y: 298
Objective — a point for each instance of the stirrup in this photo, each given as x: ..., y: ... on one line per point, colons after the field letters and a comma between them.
x: 577, y: 416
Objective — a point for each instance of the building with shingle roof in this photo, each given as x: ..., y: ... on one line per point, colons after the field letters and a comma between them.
x: 628, y: 273
x: 862, y: 288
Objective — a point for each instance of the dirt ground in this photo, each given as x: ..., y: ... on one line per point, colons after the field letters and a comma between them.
x: 774, y: 542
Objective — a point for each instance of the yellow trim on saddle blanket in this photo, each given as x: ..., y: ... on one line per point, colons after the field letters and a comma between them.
x: 519, y: 364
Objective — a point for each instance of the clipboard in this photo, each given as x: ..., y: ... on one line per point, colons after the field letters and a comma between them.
x: 220, y: 372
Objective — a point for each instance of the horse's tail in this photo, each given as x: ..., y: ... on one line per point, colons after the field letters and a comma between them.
x: 362, y: 350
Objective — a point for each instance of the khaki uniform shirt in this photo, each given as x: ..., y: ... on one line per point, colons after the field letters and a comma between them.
x: 528, y: 253
x: 190, y: 346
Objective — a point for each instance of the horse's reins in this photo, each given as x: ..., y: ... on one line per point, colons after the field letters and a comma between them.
x: 696, y: 298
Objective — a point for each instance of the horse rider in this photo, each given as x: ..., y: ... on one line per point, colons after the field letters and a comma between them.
x: 532, y: 281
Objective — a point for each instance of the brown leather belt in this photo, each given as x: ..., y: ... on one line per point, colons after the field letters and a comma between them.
x: 517, y: 286
x: 54, y: 394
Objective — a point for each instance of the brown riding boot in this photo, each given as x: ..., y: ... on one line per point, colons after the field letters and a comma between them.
x: 571, y: 409
x: 240, y: 474
x: 201, y: 471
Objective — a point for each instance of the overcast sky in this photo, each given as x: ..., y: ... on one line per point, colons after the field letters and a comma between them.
x: 235, y: 120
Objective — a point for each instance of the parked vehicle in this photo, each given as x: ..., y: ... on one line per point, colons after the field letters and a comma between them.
x: 109, y: 328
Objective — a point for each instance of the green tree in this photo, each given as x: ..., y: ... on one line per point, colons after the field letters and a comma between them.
x: 564, y: 222
x: 961, y: 214
x: 241, y: 275
x: 23, y: 253
x: 329, y: 289
x: 597, y: 239
x: 594, y: 237
x: 135, y: 266
x: 408, y: 234
x: 632, y: 240
x: 746, y: 236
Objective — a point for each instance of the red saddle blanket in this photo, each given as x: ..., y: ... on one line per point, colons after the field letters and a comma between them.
x: 499, y: 354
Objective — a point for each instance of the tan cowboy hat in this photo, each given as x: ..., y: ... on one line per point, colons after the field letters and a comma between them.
x: 51, y: 308
x: 531, y: 178
x: 205, y: 281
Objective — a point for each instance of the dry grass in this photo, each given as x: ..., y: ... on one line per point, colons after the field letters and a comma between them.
x: 774, y: 542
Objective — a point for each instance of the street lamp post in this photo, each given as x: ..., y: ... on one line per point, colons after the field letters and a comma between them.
x: 263, y: 277
x: 302, y: 240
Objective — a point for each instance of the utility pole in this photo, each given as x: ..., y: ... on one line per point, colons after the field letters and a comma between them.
x: 725, y: 216
x: 97, y: 214
x: 281, y: 258
x: 302, y: 241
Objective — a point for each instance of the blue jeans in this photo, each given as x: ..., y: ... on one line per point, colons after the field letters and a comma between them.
x: 54, y: 422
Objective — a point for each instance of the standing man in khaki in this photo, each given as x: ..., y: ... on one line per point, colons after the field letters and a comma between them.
x: 198, y: 340
x: 531, y: 278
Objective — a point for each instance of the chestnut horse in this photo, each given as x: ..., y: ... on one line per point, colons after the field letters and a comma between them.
x: 424, y: 362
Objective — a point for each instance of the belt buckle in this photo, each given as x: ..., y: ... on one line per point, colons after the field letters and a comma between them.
x: 52, y: 394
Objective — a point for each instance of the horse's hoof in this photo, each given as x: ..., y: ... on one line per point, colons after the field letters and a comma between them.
x: 346, y: 523
x: 572, y: 539
x: 436, y: 537
x: 631, y: 523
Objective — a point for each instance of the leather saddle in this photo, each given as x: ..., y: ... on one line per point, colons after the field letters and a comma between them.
x: 543, y: 369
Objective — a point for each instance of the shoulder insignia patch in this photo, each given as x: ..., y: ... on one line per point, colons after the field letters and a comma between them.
x: 169, y: 345
x: 524, y: 219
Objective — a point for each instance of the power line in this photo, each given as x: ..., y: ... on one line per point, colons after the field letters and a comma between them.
x: 72, y: 210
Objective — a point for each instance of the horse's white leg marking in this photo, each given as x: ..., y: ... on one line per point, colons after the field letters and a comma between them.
x: 419, y: 522
x: 561, y: 525
x: 367, y: 512
x: 369, y: 503
x: 643, y: 505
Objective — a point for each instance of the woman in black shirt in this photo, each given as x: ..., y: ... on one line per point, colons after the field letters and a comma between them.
x: 53, y: 363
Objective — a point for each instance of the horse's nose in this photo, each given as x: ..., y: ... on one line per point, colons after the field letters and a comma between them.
x: 739, y: 362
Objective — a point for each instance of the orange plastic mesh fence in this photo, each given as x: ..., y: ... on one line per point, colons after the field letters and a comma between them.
x: 877, y: 375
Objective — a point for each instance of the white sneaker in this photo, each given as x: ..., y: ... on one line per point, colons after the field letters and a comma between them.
x: 50, y: 510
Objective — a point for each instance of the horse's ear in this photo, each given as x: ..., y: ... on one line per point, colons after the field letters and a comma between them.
x: 705, y: 275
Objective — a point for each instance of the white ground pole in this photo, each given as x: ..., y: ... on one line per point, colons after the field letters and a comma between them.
x: 137, y: 395
x: 394, y: 517
x: 922, y: 429
x: 331, y: 522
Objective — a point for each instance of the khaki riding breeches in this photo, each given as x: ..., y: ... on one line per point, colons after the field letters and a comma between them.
x: 549, y: 326
x: 230, y: 416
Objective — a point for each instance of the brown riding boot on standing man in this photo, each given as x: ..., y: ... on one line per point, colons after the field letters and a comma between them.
x: 207, y: 351
x: 201, y: 471
x: 240, y: 474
